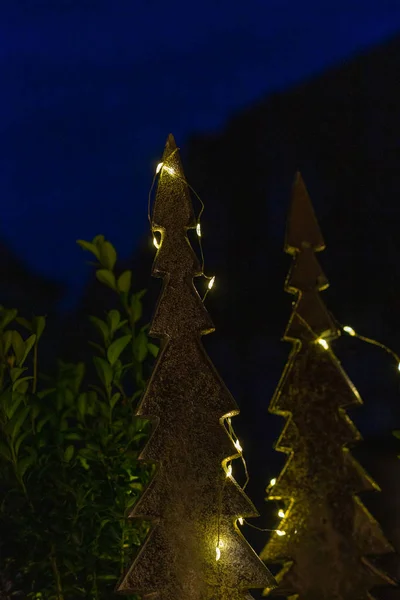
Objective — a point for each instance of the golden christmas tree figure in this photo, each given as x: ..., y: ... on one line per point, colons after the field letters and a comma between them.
x: 194, y: 550
x: 329, y: 534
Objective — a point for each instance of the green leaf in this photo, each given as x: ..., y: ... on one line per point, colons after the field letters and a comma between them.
x: 18, y: 346
x: 7, y: 339
x: 16, y: 372
x: 82, y: 404
x: 141, y: 346
x: 107, y: 277
x: 12, y: 402
x: 102, y: 327
x: 99, y: 348
x: 24, y: 322
x: 45, y: 393
x: 73, y: 436
x: 19, y: 441
x: 19, y: 381
x: 98, y: 240
x: 105, y: 410
x: 124, y: 282
x: 113, y: 319
x: 115, y: 399
x: 38, y: 323
x: 104, y: 371
x: 5, y: 451
x: 117, y: 347
x: 36, y: 408
x: 69, y: 452
x: 24, y: 464
x: 90, y: 247
x: 28, y: 347
x: 83, y: 462
x: 136, y: 308
x: 42, y: 423
x: 6, y: 316
x: 13, y: 426
x: 117, y: 370
x: 108, y: 255
x: 121, y: 324
x: 153, y: 349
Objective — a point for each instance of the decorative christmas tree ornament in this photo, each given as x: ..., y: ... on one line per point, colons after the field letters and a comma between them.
x: 194, y: 550
x: 330, y: 535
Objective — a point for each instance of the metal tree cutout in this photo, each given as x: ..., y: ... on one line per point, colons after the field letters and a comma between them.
x: 329, y: 532
x: 194, y: 550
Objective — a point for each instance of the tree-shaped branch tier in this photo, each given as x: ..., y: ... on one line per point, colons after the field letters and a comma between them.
x: 329, y: 534
x: 194, y: 550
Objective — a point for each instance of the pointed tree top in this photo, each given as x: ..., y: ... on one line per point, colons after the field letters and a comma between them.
x: 302, y: 229
x: 173, y: 209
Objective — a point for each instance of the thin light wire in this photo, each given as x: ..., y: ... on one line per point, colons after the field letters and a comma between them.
x: 198, y: 218
x: 151, y: 189
x: 255, y: 526
x: 233, y: 437
x: 363, y: 338
x: 369, y: 340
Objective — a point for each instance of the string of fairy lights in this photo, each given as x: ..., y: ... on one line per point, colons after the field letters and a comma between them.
x: 227, y: 466
x: 171, y: 171
x: 322, y: 341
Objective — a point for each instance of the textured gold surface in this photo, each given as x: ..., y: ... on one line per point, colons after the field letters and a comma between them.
x: 329, y: 533
x: 190, y: 501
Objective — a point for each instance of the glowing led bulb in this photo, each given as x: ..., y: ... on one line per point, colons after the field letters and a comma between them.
x: 169, y: 170
x: 217, y: 553
x: 323, y: 343
x: 156, y: 242
x: 240, y: 519
x: 398, y: 366
x: 281, y: 513
x: 349, y: 330
x: 198, y: 229
x: 238, y: 446
x: 211, y: 282
x: 280, y: 532
x: 159, y: 167
x: 273, y: 481
x: 229, y: 471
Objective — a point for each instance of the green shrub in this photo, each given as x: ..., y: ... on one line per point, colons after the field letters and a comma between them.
x: 69, y: 468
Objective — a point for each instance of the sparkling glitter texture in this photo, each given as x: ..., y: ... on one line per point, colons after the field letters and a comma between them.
x: 194, y: 550
x: 329, y: 532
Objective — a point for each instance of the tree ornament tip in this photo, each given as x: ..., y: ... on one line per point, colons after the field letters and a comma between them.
x: 302, y: 229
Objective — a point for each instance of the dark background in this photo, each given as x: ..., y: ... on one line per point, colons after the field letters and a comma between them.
x: 90, y: 92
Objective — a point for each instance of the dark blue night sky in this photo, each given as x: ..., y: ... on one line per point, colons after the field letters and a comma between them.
x: 90, y: 89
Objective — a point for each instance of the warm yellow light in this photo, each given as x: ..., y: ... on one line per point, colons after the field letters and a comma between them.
x: 217, y: 553
x: 349, y: 330
x: 240, y: 519
x: 238, y: 446
x: 280, y: 532
x: 169, y: 170
x: 159, y: 167
x: 198, y: 229
x: 398, y: 366
x: 273, y: 481
x: 323, y: 343
x: 156, y: 242
x: 281, y: 513
x: 211, y: 282
x: 229, y: 420
x: 229, y: 471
